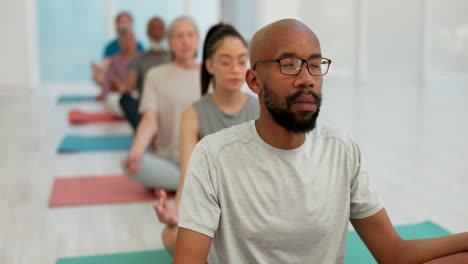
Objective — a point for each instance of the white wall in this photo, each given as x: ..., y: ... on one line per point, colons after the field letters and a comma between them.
x: 448, y: 39
x: 242, y: 14
x: 271, y: 10
x: 18, y: 45
x: 378, y: 40
x: 368, y: 39
x: 394, y: 38
x: 248, y: 16
x: 374, y: 40
x: 330, y: 19
x: 392, y: 41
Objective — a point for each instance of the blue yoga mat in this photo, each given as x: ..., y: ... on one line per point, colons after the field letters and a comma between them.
x: 75, y: 98
x: 357, y: 252
x: 75, y: 143
x: 142, y: 257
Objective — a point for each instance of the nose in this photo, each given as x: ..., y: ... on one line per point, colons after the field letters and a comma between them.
x: 304, y: 80
x: 236, y: 66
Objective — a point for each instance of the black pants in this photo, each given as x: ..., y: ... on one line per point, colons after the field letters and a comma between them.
x: 130, y: 107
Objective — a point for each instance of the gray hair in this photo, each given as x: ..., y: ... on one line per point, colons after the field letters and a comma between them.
x: 186, y: 19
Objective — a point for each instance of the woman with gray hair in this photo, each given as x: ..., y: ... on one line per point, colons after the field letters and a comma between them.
x: 167, y: 91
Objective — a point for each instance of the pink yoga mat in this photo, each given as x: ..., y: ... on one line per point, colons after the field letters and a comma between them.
x: 81, y: 117
x: 98, y: 190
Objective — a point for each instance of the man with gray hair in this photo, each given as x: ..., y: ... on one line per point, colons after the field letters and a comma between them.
x: 282, y: 189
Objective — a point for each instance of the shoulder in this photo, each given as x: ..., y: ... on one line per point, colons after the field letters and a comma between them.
x: 159, y: 70
x: 253, y: 101
x: 189, y: 120
x: 112, y: 44
x: 140, y: 47
x: 193, y: 72
x: 331, y: 135
x: 189, y: 114
x: 137, y: 59
x: 223, y: 139
x: 202, y: 101
x: 165, y: 67
x: 115, y: 59
x: 252, y: 107
x: 111, y: 48
x: 166, y: 57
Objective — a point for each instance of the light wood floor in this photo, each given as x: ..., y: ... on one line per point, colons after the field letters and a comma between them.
x: 413, y: 136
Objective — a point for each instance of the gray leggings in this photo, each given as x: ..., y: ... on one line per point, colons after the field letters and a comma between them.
x: 157, y: 172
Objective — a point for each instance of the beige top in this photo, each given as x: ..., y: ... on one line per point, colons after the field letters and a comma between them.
x: 169, y: 89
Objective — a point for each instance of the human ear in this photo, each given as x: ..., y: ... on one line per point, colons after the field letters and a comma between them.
x: 209, y: 66
x: 252, y: 80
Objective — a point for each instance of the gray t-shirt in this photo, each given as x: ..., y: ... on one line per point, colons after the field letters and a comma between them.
x: 211, y: 119
x: 141, y: 64
x: 261, y: 204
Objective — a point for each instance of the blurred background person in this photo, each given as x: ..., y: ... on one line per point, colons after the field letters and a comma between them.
x: 123, y: 23
x: 168, y: 90
x: 139, y: 66
x: 115, y: 75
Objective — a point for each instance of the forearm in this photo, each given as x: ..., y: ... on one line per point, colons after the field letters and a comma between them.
x: 110, y: 75
x: 102, y: 72
x: 423, y: 250
x: 191, y: 247
x: 146, y: 130
x: 183, y: 169
x: 189, y: 136
x: 180, y: 190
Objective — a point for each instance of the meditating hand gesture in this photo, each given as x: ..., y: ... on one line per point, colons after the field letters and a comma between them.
x: 166, y: 213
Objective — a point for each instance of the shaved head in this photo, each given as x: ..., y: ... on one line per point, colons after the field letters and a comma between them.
x: 155, y: 29
x: 290, y: 101
x: 155, y: 21
x: 266, y: 42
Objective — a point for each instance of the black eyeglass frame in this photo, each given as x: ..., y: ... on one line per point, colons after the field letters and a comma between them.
x: 299, y: 71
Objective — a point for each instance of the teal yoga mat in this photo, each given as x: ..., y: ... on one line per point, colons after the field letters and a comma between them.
x: 357, y: 253
x: 76, y: 143
x: 75, y: 98
x: 141, y: 257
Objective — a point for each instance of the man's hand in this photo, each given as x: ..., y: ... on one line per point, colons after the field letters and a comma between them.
x: 167, y: 214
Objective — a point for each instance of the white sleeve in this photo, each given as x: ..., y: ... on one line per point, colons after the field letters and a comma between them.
x: 199, y: 209
x: 149, y: 97
x: 365, y: 200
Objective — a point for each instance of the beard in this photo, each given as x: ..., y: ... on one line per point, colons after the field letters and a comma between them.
x: 295, y: 123
x: 156, y: 45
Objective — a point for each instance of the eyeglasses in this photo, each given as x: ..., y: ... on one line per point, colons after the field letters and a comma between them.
x: 227, y: 64
x: 292, y: 65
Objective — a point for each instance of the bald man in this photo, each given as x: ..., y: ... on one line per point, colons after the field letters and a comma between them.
x: 283, y: 189
x: 139, y: 66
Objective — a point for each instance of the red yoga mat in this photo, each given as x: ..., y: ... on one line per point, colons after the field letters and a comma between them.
x: 81, y: 117
x: 98, y: 190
